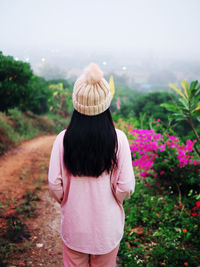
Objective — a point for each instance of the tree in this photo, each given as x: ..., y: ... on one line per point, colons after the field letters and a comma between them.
x: 150, y: 105
x: 188, y: 107
x: 37, y: 100
x: 14, y: 82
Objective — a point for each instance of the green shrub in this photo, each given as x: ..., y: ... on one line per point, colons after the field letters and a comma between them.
x: 17, y: 126
x: 8, y: 136
x: 20, y: 88
x: 158, y: 232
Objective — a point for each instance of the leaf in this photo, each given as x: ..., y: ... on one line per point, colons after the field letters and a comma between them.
x: 177, y: 89
x: 171, y: 107
x: 193, y: 85
x: 112, y: 85
x: 184, y: 84
x: 196, y: 113
x: 177, y: 117
x: 198, y: 107
x: 198, y: 90
x: 192, y: 88
x: 184, y: 102
x: 198, y: 118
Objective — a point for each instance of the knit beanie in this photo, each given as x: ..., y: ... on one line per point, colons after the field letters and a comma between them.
x: 91, y: 93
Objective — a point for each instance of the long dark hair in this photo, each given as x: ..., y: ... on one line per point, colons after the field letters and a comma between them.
x: 90, y: 144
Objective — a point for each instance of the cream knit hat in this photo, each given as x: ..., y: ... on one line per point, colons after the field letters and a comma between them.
x: 91, y: 94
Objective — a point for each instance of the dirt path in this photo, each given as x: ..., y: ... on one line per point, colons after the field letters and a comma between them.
x: 20, y: 170
x: 25, y: 169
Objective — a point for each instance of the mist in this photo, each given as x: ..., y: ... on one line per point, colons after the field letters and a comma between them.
x: 121, y: 35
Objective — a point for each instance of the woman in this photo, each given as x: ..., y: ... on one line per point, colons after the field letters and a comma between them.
x: 90, y: 174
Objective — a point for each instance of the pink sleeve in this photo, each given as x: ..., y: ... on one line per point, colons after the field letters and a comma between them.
x: 55, y: 169
x: 125, y: 180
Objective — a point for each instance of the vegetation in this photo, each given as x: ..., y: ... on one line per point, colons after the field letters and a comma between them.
x: 188, y: 108
x: 19, y: 87
x: 16, y: 126
x: 24, y: 97
x: 162, y: 216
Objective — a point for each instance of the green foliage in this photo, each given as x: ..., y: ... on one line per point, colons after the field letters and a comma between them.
x: 127, y: 98
x: 180, y: 179
x: 14, y: 79
x: 20, y: 88
x: 188, y: 107
x: 65, y: 83
x: 16, y: 230
x: 162, y: 224
x: 59, y: 123
x: 27, y: 206
x: 149, y: 104
x: 61, y: 100
x: 21, y: 123
x: 6, y: 249
x: 17, y: 126
x: 157, y: 231
x: 8, y: 136
x: 37, y: 100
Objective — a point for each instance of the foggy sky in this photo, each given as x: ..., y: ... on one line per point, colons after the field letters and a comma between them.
x: 163, y: 28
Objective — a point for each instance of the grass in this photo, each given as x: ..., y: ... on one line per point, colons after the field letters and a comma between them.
x: 16, y: 126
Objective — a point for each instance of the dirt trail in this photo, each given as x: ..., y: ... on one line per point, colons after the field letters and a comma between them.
x: 27, y: 154
x: 20, y: 170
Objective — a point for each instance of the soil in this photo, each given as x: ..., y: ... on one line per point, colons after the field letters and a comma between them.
x: 25, y: 169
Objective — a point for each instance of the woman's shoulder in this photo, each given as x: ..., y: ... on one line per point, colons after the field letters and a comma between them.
x: 62, y: 133
x: 60, y: 136
x: 120, y: 134
x: 123, y: 143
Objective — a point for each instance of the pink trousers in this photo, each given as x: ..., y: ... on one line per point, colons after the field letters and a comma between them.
x: 72, y: 258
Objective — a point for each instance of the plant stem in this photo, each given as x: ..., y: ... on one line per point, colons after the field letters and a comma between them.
x: 179, y: 193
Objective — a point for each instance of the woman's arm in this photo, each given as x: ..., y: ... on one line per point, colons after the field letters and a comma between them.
x: 55, y: 170
x: 125, y: 183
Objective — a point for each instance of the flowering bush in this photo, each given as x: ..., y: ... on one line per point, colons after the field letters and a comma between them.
x: 158, y: 231
x: 166, y: 159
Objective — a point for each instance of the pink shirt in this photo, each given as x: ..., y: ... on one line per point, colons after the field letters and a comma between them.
x: 92, y: 214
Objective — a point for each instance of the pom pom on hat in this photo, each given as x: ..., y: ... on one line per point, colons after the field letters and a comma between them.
x: 93, y: 74
x: 91, y: 93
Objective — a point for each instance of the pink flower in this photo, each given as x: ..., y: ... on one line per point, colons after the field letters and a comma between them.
x: 158, y: 120
x: 146, y: 144
x: 144, y: 174
x: 162, y: 148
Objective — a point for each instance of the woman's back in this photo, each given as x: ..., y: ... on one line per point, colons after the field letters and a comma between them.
x: 92, y: 220
x: 90, y: 174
